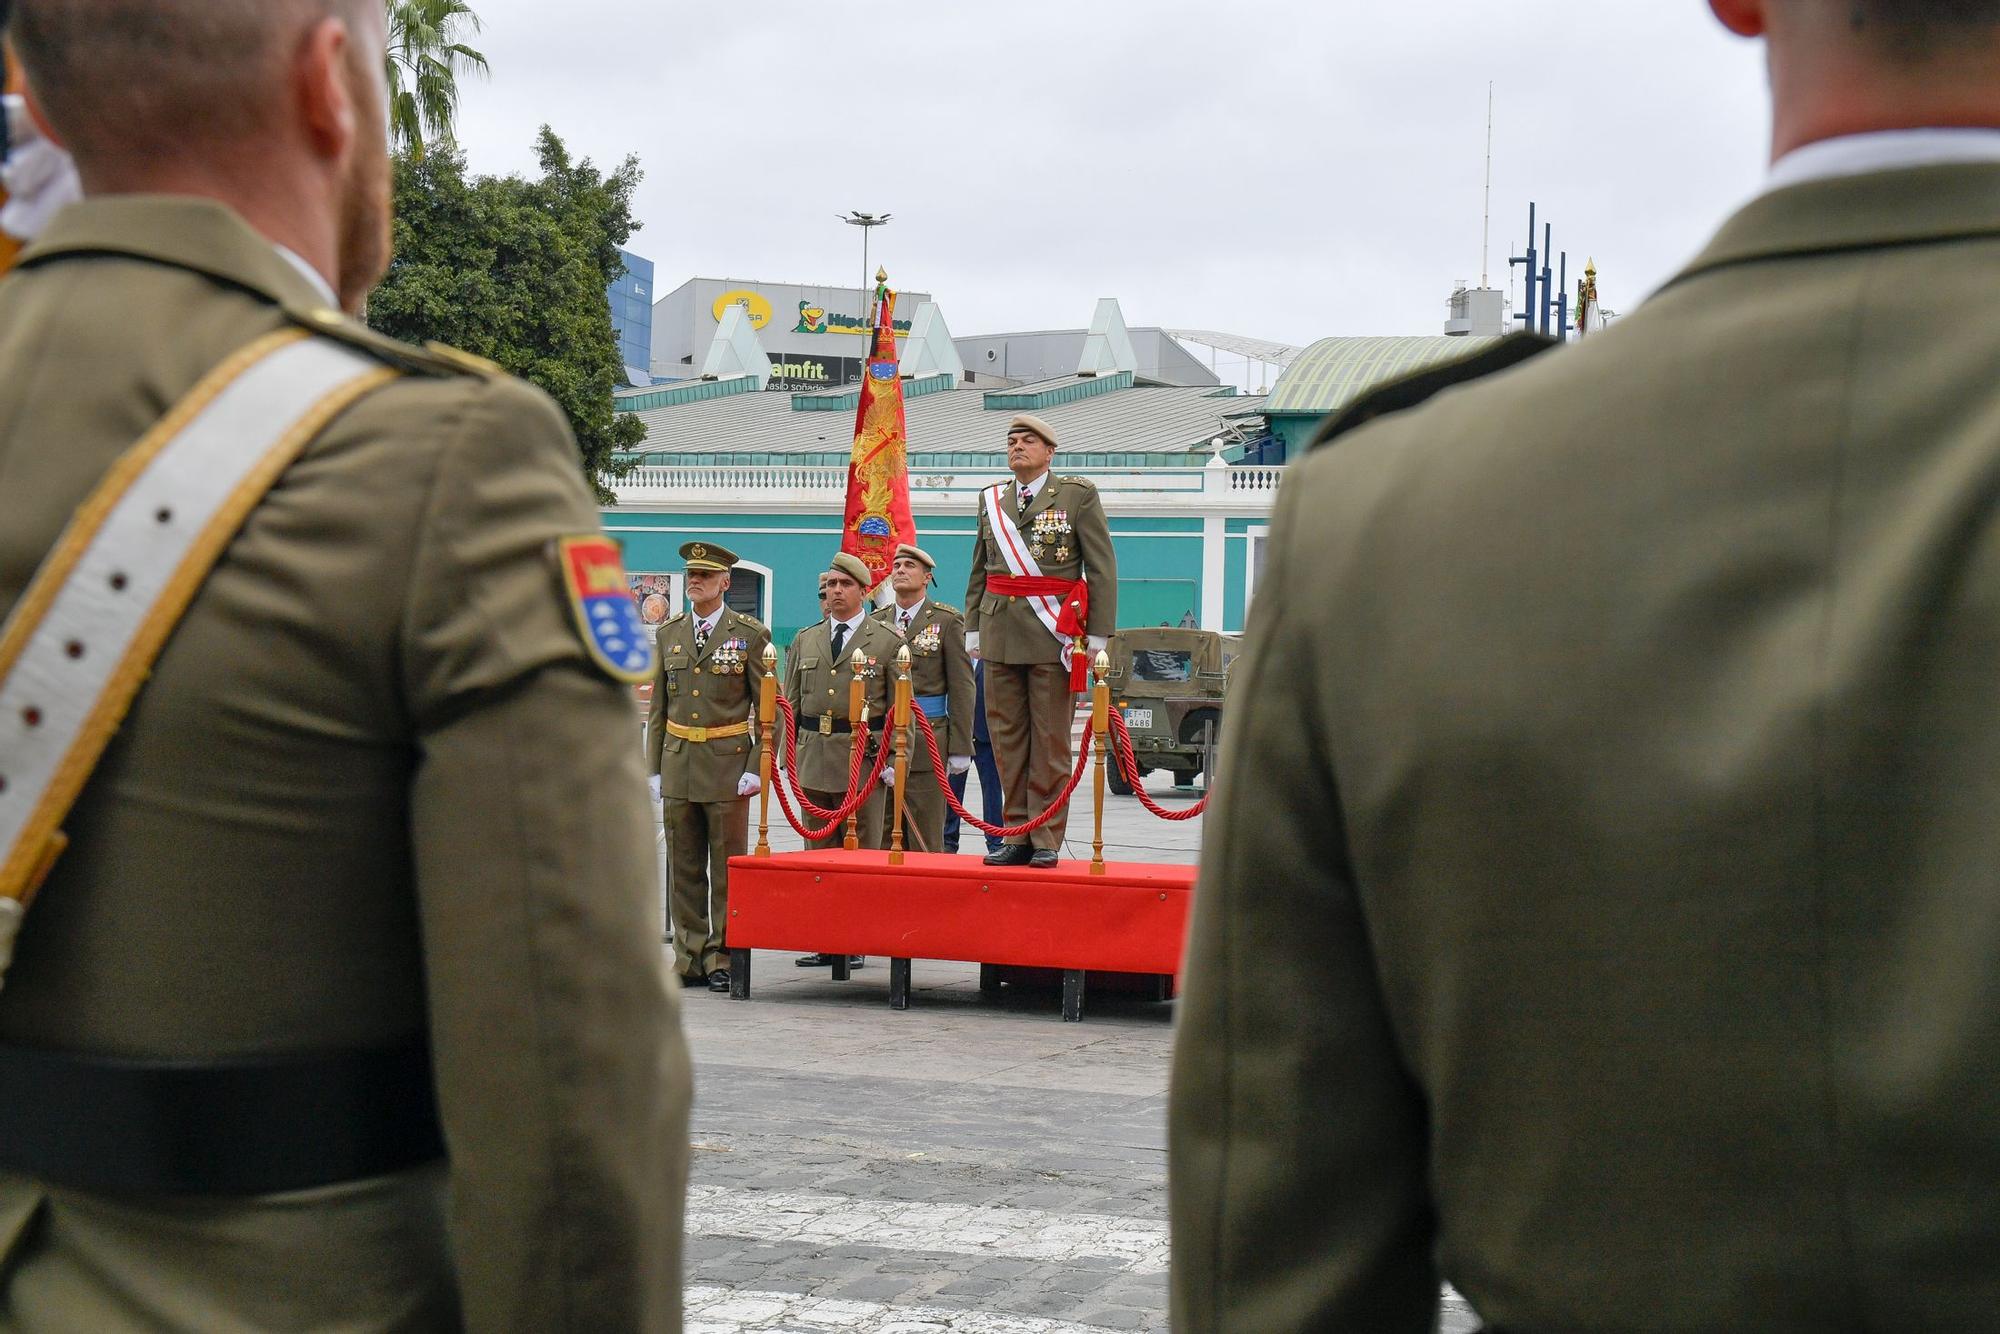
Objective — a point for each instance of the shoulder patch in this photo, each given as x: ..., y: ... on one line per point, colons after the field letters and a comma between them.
x: 1412, y: 390
x: 601, y: 604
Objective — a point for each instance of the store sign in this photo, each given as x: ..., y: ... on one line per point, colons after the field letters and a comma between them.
x: 792, y: 373
x: 758, y: 309
x: 818, y: 320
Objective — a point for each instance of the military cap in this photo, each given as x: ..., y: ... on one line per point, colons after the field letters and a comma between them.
x: 1028, y: 421
x: 917, y: 553
x: 851, y: 565
x: 708, y: 556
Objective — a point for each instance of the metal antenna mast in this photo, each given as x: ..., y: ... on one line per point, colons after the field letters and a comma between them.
x: 1486, y: 229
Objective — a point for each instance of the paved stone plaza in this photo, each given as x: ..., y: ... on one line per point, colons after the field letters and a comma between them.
x: 972, y: 1164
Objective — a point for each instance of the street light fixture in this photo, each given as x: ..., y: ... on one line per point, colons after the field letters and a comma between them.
x: 866, y: 222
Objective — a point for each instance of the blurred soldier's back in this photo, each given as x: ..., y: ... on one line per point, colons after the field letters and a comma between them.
x: 344, y: 1007
x: 1603, y: 889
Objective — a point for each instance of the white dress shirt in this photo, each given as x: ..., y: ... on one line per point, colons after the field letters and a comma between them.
x: 1882, y: 150
x: 907, y: 616
x: 309, y: 273
x: 1026, y: 491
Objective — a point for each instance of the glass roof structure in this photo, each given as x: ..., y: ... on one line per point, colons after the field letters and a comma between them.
x: 1334, y: 371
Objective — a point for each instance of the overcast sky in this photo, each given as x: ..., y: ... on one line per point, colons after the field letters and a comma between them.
x: 1282, y: 171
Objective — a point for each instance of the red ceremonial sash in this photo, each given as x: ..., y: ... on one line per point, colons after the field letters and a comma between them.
x: 1071, y: 620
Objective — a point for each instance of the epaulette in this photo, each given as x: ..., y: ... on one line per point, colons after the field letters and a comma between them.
x: 430, y: 359
x: 1079, y: 481
x: 1409, y: 391
x: 947, y: 607
x: 756, y: 624
x: 677, y: 616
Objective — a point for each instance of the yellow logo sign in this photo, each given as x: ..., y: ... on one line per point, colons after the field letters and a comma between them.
x: 756, y: 307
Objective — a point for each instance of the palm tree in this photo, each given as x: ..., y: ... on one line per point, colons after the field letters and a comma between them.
x: 425, y: 59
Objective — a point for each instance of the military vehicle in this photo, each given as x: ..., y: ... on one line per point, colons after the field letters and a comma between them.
x: 1169, y: 684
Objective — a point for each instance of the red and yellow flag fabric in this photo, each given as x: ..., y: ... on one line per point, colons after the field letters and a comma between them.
x: 878, y: 475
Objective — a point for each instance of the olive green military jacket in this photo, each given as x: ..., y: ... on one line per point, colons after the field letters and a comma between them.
x: 716, y: 687
x: 376, y: 785
x: 1599, y: 906
x: 817, y: 685
x: 1067, y: 534
x: 939, y: 665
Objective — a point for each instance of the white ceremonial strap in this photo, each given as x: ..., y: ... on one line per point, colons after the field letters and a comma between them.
x: 1020, y: 561
x: 80, y: 643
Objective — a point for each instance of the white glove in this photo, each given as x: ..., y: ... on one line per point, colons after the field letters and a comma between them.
x: 972, y: 642
x: 959, y: 764
x: 39, y: 177
x: 653, y: 786
x: 1097, y: 644
x: 888, y: 776
x: 748, y: 784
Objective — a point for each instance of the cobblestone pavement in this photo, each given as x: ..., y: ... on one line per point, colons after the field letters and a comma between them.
x: 970, y: 1165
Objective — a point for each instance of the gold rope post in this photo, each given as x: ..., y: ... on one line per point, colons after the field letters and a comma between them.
x: 901, y: 722
x: 1100, y: 730
x: 767, y: 716
x: 857, y: 736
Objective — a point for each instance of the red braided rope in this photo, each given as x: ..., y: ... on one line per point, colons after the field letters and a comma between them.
x: 939, y: 772
x: 855, y: 794
x: 1121, y: 751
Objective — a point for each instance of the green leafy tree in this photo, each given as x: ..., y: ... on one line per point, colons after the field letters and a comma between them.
x: 515, y: 270
x: 425, y: 60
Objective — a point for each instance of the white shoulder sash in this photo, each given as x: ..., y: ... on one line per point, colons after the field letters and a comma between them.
x: 84, y: 636
x: 1020, y: 561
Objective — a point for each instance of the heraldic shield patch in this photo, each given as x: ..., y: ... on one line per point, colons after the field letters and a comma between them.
x: 607, y: 616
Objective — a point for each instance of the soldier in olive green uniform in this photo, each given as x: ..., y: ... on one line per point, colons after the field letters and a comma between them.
x: 702, y: 745
x: 1056, y: 524
x: 940, y: 684
x: 1599, y: 909
x: 819, y: 668
x: 819, y: 671
x: 377, y: 808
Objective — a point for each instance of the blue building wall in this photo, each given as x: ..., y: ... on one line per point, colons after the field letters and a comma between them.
x: 1159, y: 560
x: 631, y: 300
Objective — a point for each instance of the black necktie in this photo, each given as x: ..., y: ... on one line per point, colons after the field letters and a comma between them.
x: 839, y: 640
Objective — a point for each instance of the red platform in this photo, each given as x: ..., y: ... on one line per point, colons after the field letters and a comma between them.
x: 1131, y: 919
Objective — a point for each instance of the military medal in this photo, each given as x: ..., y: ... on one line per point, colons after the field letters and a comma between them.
x: 928, y: 640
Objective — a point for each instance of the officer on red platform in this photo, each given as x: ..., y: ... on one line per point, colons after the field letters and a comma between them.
x: 1043, y: 573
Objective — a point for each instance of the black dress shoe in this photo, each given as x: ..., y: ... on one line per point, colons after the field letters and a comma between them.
x: 814, y: 961
x: 1044, y: 858
x: 719, y: 980
x: 1010, y: 854
x: 694, y: 979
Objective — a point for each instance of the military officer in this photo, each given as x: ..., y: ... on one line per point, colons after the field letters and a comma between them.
x: 368, y: 868
x: 819, y: 671
x: 702, y: 745
x: 940, y: 684
x: 1043, y: 573
x: 1599, y: 908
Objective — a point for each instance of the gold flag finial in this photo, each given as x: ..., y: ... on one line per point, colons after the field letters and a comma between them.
x: 881, y: 275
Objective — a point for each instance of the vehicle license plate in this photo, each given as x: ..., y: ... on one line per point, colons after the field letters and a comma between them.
x: 1138, y: 717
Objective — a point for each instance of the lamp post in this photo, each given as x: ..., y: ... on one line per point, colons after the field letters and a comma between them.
x: 865, y: 221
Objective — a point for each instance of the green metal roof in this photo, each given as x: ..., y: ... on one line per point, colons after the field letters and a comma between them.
x: 1335, y: 371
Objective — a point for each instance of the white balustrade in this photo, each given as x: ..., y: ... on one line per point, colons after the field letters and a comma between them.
x: 740, y: 487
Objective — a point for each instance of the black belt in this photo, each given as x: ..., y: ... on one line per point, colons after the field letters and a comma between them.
x: 250, y: 1127
x: 841, y: 725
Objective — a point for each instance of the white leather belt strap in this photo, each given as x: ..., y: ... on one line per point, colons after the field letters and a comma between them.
x: 85, y: 634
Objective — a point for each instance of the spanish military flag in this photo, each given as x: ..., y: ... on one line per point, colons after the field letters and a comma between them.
x: 878, y: 475
x: 9, y: 81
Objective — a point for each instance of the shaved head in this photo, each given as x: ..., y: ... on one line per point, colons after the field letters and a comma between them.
x: 1920, y: 29
x: 277, y: 108
x: 152, y: 76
